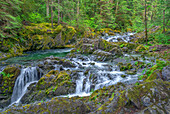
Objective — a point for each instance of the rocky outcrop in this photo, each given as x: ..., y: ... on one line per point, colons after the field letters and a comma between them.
x: 42, y: 36
x: 56, y: 105
x: 145, y: 97
x: 105, y: 50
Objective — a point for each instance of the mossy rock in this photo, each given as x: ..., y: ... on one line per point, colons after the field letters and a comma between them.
x: 130, y: 46
x: 7, y: 82
x: 55, y: 105
x: 43, y: 36
x: 131, y: 72
x: 54, y: 83
x: 141, y: 48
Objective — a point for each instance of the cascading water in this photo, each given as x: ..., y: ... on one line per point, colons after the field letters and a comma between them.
x: 27, y: 76
x: 126, y: 37
x: 79, y: 83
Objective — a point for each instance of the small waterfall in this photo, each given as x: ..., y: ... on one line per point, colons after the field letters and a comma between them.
x: 79, y: 83
x: 88, y: 84
x: 27, y: 76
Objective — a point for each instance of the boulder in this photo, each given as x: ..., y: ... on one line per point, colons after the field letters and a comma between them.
x: 54, y: 83
x: 166, y: 73
x: 103, y: 56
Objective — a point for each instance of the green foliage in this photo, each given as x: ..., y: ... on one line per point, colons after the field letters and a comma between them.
x: 4, y: 74
x: 35, y: 17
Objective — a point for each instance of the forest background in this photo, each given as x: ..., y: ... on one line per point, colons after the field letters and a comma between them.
x: 124, y: 15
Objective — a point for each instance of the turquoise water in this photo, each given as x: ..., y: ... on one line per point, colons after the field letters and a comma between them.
x: 34, y: 56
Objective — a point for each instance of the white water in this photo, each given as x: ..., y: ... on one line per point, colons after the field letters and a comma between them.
x: 79, y: 83
x: 84, y: 84
x: 27, y: 76
x: 126, y: 37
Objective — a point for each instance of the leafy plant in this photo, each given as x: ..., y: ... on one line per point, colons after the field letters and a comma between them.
x: 4, y: 74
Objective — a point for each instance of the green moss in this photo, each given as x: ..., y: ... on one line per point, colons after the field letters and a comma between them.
x: 153, y: 72
x: 141, y: 48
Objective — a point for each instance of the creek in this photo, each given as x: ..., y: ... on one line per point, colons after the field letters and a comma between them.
x: 90, y: 74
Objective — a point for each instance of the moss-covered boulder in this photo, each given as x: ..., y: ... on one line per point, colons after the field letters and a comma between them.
x: 127, y: 47
x: 103, y: 56
x: 141, y: 48
x: 98, y: 47
x: 55, y: 63
x: 125, y: 66
x: 54, y: 83
x: 158, y: 71
x: 56, y: 105
x: 43, y: 36
x: 136, y: 98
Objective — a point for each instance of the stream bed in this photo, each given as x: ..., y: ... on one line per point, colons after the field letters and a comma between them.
x: 87, y: 74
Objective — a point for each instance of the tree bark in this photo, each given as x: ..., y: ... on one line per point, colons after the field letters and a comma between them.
x: 47, y: 7
x: 146, y: 35
x: 58, y: 12
x: 163, y: 21
x: 52, y: 13
x: 77, y: 19
x: 117, y: 5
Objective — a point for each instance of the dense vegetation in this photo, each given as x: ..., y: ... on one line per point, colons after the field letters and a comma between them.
x: 123, y: 15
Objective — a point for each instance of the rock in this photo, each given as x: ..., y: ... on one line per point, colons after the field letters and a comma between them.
x: 146, y: 101
x: 5, y: 102
x: 56, y: 105
x: 155, y: 75
x: 103, y: 56
x: 120, y: 40
x: 68, y: 63
x: 166, y: 73
x: 116, y: 51
x: 123, y: 76
x: 131, y: 72
x: 87, y: 49
x: 141, y: 48
x: 10, y: 74
x: 54, y: 83
x: 125, y: 49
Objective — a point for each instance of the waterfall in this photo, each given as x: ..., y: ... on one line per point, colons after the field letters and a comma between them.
x: 79, y: 83
x: 88, y: 84
x: 27, y: 76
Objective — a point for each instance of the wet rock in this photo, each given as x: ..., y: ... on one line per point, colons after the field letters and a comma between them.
x: 103, y: 56
x: 123, y: 76
x: 5, y: 102
x: 54, y: 83
x: 87, y: 49
x: 116, y: 51
x: 131, y: 72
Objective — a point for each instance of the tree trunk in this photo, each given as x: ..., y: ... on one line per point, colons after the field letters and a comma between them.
x: 58, y: 12
x: 77, y: 19
x: 163, y: 21
x: 146, y: 35
x: 117, y: 5
x: 52, y: 13
x: 47, y: 6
